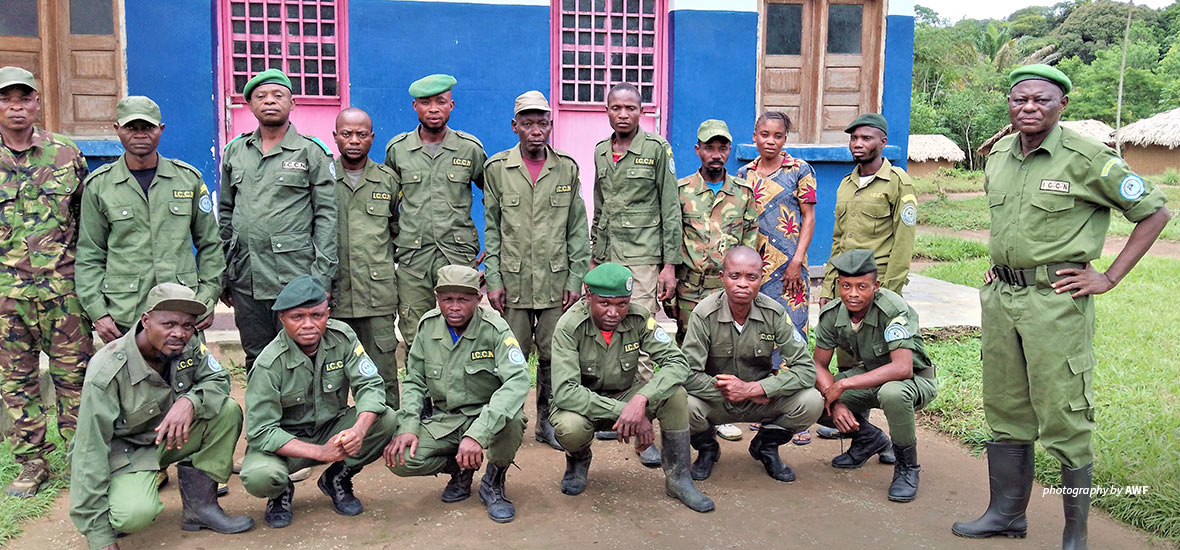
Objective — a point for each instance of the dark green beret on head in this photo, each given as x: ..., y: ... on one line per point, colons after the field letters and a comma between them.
x: 1040, y: 71
x: 432, y: 85
x: 855, y: 263
x: 302, y: 291
x: 269, y: 76
x: 610, y: 280
x: 873, y: 120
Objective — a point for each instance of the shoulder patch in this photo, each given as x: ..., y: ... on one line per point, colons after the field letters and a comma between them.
x: 1132, y: 187
x: 1109, y: 165
x: 671, y: 161
x: 896, y: 331
x: 359, y: 350
x: 511, y: 341
x: 661, y: 335
x: 214, y: 364
x: 909, y: 214
x: 317, y: 141
x: 515, y: 356
x: 366, y: 366
x: 651, y: 323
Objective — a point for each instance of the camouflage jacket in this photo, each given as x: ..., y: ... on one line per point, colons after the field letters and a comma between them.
x: 40, y: 204
x: 713, y: 223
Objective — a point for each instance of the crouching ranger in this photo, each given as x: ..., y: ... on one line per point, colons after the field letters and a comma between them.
x: 469, y: 364
x: 152, y: 397
x: 297, y: 412
x: 597, y: 386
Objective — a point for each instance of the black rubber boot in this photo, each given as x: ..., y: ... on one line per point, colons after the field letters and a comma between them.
x: 708, y: 452
x: 459, y: 487
x: 1077, y: 506
x: 198, y: 493
x: 606, y: 435
x: 887, y: 456
x: 677, y: 479
x: 764, y: 448
x: 336, y: 482
x: 867, y: 441
x: 279, y: 512
x: 544, y: 431
x: 1010, y: 477
x: 577, y: 465
x: 905, y: 474
x: 491, y: 493
x: 651, y: 457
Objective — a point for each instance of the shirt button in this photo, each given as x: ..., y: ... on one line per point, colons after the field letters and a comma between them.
x: 329, y: 386
x: 495, y: 370
x: 124, y: 212
x: 280, y: 178
x: 180, y: 384
x: 278, y: 245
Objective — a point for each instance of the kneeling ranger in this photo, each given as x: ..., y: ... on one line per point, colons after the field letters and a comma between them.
x: 297, y: 412
x: 152, y: 397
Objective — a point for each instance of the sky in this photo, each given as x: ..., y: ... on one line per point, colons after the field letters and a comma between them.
x: 954, y: 10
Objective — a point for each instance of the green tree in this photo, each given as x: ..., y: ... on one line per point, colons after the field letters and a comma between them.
x: 1097, y: 25
x: 1095, y: 93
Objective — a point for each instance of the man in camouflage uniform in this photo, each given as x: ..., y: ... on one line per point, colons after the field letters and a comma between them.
x: 41, y: 176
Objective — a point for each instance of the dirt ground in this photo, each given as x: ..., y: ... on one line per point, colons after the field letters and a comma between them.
x: 1113, y: 245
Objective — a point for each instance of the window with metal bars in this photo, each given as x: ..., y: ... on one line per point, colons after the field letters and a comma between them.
x: 604, y: 42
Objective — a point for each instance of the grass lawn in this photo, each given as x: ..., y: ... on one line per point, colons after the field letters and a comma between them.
x: 1136, y: 384
x: 949, y: 181
x: 14, y: 511
x: 942, y: 248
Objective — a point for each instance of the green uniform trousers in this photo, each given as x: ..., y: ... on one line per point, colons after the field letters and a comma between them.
x: 418, y: 272
x: 378, y: 335
x: 795, y: 412
x: 1038, y: 367
x: 266, y: 475
x: 134, y: 497
x: 576, y: 432
x: 534, y: 326
x: 899, y: 399
x: 433, y: 453
x: 257, y: 323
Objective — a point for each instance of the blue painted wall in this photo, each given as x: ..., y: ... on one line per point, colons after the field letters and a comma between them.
x: 899, y: 71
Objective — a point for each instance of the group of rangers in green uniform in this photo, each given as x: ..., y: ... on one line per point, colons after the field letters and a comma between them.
x: 324, y: 261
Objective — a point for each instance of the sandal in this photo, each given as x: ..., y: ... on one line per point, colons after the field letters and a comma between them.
x: 802, y: 438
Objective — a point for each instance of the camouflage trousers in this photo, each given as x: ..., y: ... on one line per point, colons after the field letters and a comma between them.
x: 28, y: 327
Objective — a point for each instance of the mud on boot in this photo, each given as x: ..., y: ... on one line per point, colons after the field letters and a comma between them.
x: 677, y: 478
x: 198, y: 495
x: 577, y: 465
x: 491, y: 493
x: 764, y: 448
x: 336, y: 483
x: 1010, y: 478
x: 708, y: 452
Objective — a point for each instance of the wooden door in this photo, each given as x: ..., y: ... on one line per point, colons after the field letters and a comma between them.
x: 851, y: 56
x: 788, y: 57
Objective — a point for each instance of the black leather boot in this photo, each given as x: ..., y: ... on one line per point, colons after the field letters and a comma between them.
x: 1010, y: 477
x: 491, y: 493
x: 867, y: 441
x: 336, y: 482
x: 764, y: 449
x: 544, y: 430
x: 1077, y: 506
x: 198, y: 493
x: 905, y: 473
x: 708, y: 451
x: 279, y: 512
x: 459, y: 487
x: 577, y: 465
x: 677, y: 479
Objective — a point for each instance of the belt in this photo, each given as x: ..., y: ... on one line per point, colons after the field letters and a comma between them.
x: 1028, y: 277
x: 698, y: 278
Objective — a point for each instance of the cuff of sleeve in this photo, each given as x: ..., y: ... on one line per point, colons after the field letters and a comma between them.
x: 770, y: 388
x: 199, y: 407
x: 408, y: 425
x: 1141, y: 211
x: 375, y: 408
x: 574, y: 284
x: 479, y: 435
x: 97, y: 540
x: 273, y: 442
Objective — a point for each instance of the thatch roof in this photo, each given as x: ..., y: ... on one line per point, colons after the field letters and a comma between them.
x: 1091, y: 128
x: 926, y: 147
x: 1162, y: 129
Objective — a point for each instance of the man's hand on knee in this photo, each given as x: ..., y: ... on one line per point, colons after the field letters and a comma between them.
x: 633, y: 422
x: 395, y: 452
x: 470, y: 454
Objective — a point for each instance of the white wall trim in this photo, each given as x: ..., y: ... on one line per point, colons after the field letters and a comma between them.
x: 901, y: 7
x: 714, y: 5
x: 494, y: 2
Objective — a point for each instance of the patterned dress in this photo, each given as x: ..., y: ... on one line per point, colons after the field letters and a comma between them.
x: 779, y: 221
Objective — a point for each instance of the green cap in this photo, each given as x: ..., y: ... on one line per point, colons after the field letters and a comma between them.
x: 269, y: 76
x: 432, y: 85
x: 302, y: 291
x: 1040, y: 71
x: 610, y: 280
x: 16, y: 76
x: 531, y: 101
x: 137, y: 107
x: 174, y: 297
x: 457, y: 278
x: 712, y: 128
x: 873, y: 120
x: 855, y: 263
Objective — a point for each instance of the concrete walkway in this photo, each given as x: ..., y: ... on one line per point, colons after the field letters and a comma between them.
x: 938, y: 303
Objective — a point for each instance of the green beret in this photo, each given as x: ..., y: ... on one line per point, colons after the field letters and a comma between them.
x: 302, y: 291
x: 269, y: 76
x: 855, y: 263
x: 610, y: 280
x: 457, y: 278
x: 432, y: 85
x: 872, y: 120
x: 1040, y: 71
x: 712, y: 128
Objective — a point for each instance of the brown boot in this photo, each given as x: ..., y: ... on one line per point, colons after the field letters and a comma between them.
x: 32, y: 478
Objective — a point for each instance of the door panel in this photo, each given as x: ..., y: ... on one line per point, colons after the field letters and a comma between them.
x: 90, y: 67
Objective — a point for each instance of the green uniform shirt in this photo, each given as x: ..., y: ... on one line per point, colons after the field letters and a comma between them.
x: 277, y: 213
x: 130, y: 242
x: 713, y: 346
x: 1054, y: 204
x: 536, y: 240
x: 889, y: 324
x: 436, y: 194
x: 482, y: 375
x: 40, y: 196
x: 636, y: 206
x: 123, y: 400
x: 366, y: 283
x: 586, y: 370
x: 714, y: 223
x: 880, y: 217
x: 291, y: 395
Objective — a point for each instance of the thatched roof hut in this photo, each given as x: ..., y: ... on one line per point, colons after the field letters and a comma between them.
x: 1096, y: 129
x: 1150, y: 144
x: 930, y: 152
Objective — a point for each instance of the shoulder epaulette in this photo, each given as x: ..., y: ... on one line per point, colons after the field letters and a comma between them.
x: 108, y: 364
x: 396, y: 139
x: 831, y: 306
x: 764, y: 301
x: 186, y: 166
x: 469, y: 137
x: 239, y: 136
x: 1085, y: 145
x: 100, y: 170
x: 322, y: 145
x: 381, y: 167
x: 891, y: 303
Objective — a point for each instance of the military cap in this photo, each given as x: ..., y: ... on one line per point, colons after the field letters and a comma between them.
x: 269, y: 76
x: 855, y: 263
x: 457, y: 278
x: 712, y: 128
x: 16, y: 76
x: 610, y: 280
x: 1040, y: 71
x: 872, y: 120
x: 531, y: 101
x: 432, y: 85
x: 174, y: 297
x: 137, y: 107
x: 302, y: 291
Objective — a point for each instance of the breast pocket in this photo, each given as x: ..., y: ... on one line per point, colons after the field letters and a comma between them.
x: 378, y: 208
x: 292, y: 254
x: 639, y: 233
x: 877, y: 216
x: 139, y: 419
x: 436, y: 380
x: 481, y: 379
x: 1050, y: 217
x: 291, y: 178
x: 334, y: 386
